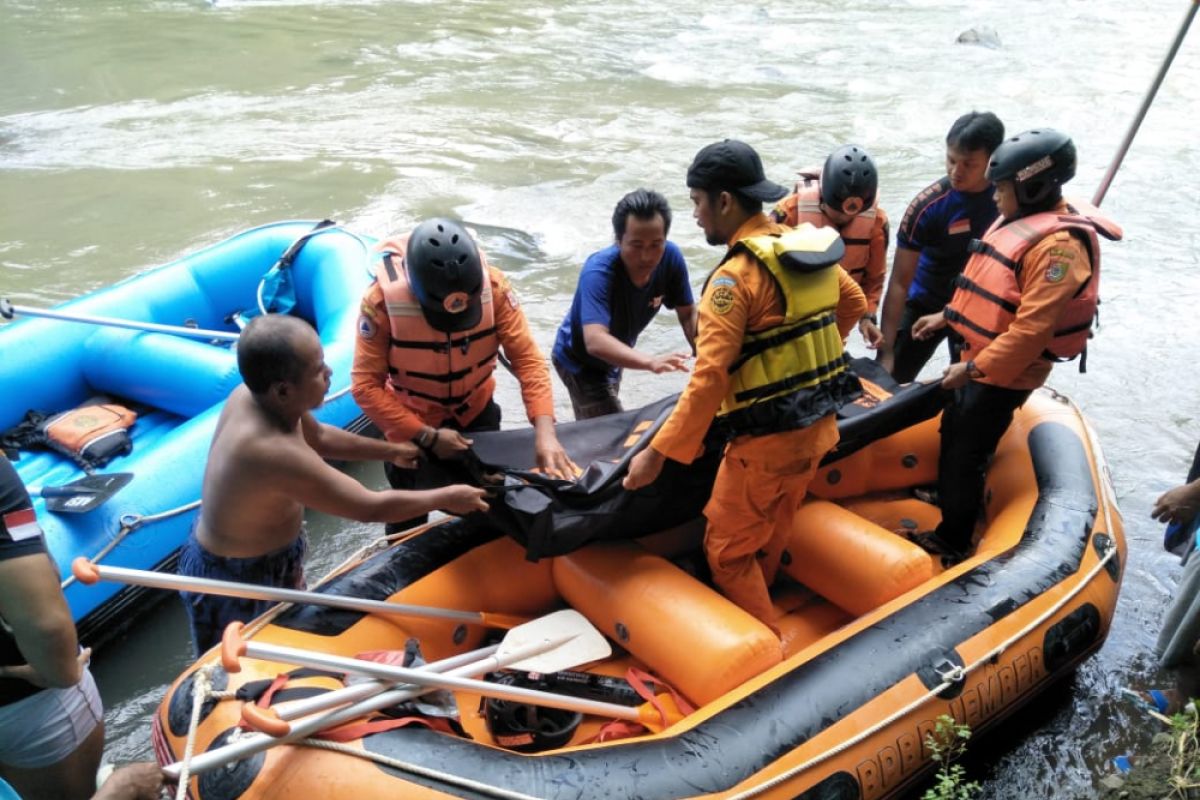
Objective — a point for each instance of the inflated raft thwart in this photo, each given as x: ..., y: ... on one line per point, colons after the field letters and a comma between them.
x: 878, y: 639
x: 177, y: 385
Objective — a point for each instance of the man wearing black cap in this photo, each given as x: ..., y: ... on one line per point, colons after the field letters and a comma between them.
x: 769, y: 368
x: 431, y: 330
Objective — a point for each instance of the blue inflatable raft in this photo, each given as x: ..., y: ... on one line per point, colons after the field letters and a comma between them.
x: 177, y: 385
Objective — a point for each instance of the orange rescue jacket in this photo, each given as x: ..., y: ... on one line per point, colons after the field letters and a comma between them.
x: 987, y: 293
x: 452, y: 370
x: 856, y: 234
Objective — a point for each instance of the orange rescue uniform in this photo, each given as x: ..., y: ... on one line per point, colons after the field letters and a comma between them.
x: 762, y: 479
x: 401, y: 416
x: 866, y: 236
x: 1051, y: 273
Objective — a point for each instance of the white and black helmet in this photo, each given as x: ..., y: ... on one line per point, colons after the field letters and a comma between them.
x: 1038, y: 162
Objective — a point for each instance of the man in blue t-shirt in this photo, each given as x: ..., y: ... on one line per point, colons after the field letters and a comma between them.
x: 620, y: 290
x: 932, y: 240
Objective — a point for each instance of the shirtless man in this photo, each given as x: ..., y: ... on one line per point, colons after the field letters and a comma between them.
x: 266, y: 464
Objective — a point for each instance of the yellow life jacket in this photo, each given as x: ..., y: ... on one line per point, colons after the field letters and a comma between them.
x: 793, y: 374
x: 437, y: 374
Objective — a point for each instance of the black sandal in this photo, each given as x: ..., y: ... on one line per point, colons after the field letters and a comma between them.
x: 931, y: 542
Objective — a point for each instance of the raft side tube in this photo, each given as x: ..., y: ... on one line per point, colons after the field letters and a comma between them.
x: 850, y: 561
x: 182, y: 376
x: 649, y: 606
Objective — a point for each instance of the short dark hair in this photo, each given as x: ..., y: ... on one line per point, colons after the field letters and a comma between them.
x: 643, y: 204
x: 747, y: 204
x: 266, y: 351
x: 978, y: 130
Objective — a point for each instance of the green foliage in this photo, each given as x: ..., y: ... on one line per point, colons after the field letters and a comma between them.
x: 1185, y: 754
x: 946, y: 745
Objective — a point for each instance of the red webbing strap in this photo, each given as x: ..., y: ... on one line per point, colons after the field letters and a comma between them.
x: 624, y: 729
x: 353, y: 731
x: 264, y: 699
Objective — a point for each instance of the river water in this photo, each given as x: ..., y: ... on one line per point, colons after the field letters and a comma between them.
x: 132, y: 131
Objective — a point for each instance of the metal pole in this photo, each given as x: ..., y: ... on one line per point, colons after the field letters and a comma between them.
x: 7, y: 310
x: 89, y: 573
x: 1137, y: 122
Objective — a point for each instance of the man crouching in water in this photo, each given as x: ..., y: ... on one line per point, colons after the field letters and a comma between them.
x: 266, y: 465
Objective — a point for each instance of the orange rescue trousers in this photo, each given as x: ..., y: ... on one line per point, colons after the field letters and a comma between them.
x: 761, y: 482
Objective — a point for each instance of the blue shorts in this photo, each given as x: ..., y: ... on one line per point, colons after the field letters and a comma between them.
x: 210, y: 614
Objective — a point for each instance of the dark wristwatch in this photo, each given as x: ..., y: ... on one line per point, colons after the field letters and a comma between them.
x: 972, y: 370
x: 871, y: 318
x: 425, y: 438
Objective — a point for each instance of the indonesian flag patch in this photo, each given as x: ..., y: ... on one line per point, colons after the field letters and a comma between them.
x: 959, y: 226
x: 22, y: 525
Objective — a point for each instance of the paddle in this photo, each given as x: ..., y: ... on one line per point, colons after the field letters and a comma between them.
x: 234, y: 647
x: 274, y: 721
x: 549, y: 644
x: 83, y: 494
x: 7, y: 310
x: 556, y: 641
x: 89, y: 573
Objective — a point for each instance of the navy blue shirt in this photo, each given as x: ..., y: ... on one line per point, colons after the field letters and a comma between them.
x: 606, y: 296
x: 941, y: 222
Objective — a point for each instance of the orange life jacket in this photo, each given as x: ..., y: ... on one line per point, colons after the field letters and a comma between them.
x: 987, y: 292
x: 90, y: 435
x: 437, y: 374
x: 856, y: 234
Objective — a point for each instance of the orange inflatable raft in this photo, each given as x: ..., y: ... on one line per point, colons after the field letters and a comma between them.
x: 878, y: 641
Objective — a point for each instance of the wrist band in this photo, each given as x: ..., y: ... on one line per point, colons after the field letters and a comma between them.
x: 425, y: 438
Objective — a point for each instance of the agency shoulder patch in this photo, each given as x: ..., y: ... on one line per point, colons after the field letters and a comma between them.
x: 1056, y: 272
x: 1062, y: 252
x: 721, y: 300
x: 366, y: 326
x: 724, y: 280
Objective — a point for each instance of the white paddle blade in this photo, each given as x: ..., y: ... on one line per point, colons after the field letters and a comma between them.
x: 582, y: 642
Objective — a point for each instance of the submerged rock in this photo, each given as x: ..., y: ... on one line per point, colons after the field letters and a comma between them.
x: 982, y: 36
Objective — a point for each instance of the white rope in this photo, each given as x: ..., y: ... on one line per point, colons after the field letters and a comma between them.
x: 1097, y: 458
x: 425, y: 772
x: 956, y: 675
x: 201, y: 687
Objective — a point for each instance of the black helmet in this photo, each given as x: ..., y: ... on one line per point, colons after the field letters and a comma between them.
x: 849, y: 180
x: 446, y: 274
x: 526, y: 728
x: 1037, y: 162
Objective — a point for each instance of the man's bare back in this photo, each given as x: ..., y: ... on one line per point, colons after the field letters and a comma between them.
x: 248, y: 512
